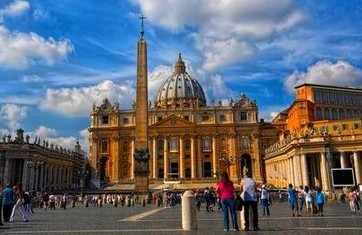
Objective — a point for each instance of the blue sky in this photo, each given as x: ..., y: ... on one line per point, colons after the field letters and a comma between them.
x: 58, y: 57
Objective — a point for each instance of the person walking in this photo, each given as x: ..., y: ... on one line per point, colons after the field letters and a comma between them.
x: 19, y: 204
x: 292, y: 200
x: 301, y: 199
x: 248, y: 189
x: 8, y: 202
x: 264, y: 197
x: 226, y: 191
x: 320, y: 201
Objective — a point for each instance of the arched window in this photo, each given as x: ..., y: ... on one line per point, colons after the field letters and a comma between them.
x: 342, y: 114
x: 327, y: 114
x: 173, y: 144
x: 207, y: 144
x: 356, y: 114
x: 245, y: 143
x: 349, y: 113
x: 319, y: 113
x: 334, y: 114
x: 104, y: 146
x: 187, y: 144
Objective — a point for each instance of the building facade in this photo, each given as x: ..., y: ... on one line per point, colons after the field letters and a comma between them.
x: 187, y: 139
x: 40, y: 166
x: 322, y: 131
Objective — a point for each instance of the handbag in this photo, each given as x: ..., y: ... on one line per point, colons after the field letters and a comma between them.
x: 239, y: 203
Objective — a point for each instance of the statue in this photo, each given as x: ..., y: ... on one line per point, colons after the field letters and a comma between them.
x: 149, y: 104
x: 27, y: 139
x: 9, y: 138
x: 39, y: 141
x: 231, y: 101
x: 4, y: 138
x: 36, y: 140
x: 134, y: 105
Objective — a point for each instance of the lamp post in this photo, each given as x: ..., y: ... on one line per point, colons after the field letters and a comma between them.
x: 82, y: 174
x: 35, y: 165
x: 225, y: 163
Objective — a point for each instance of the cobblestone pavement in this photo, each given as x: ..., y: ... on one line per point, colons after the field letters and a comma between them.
x: 157, y: 220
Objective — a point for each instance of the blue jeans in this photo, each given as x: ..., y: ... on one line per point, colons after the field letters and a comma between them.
x: 229, y: 204
x: 265, y: 206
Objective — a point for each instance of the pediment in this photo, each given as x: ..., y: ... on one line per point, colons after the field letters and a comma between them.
x: 173, y: 121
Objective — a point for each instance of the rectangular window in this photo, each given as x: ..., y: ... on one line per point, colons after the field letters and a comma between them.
x: 125, y: 146
x: 187, y: 144
x: 356, y: 126
x: 205, y: 118
x: 173, y: 145
x: 186, y: 117
x: 222, y: 118
x: 335, y: 127
x: 125, y: 121
x: 104, y: 119
x: 207, y: 144
x: 344, y: 126
x: 160, y: 145
x: 159, y: 119
x: 104, y: 146
x: 243, y: 116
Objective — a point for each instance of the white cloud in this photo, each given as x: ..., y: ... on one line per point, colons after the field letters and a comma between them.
x: 324, y: 72
x: 40, y: 14
x: 12, y: 115
x: 224, y: 31
x: 156, y: 78
x: 31, y: 78
x: 43, y: 132
x: 16, y: 8
x: 19, y: 50
x: 78, y: 101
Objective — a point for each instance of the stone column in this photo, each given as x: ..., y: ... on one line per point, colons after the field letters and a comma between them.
x: 25, y: 176
x: 357, y: 167
x: 199, y: 157
x: 297, y: 171
x: 7, y: 171
x: 132, y: 159
x: 41, y: 183
x: 343, y: 160
x: 165, y: 159
x: 214, y: 157
x: 155, y: 157
x: 304, y: 167
x: 182, y: 158
x: 193, y: 162
x: 324, y: 172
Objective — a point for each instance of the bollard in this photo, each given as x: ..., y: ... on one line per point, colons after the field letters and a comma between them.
x: 143, y: 202
x: 100, y: 202
x: 115, y: 202
x: 86, y: 203
x: 189, y: 215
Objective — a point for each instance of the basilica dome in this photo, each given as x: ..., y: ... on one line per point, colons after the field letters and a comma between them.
x: 180, y: 90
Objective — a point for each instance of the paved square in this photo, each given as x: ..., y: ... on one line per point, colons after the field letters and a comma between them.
x: 158, y: 220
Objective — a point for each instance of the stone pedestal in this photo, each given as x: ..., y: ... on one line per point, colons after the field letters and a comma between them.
x: 189, y: 214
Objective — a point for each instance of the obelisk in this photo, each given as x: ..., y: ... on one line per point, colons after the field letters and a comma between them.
x: 141, y: 170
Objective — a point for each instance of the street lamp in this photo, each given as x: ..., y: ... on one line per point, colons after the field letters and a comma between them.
x: 35, y: 165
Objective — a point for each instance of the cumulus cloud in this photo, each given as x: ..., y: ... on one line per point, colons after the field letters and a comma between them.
x: 156, y: 78
x: 340, y: 73
x: 43, y: 132
x: 15, y: 8
x: 12, y: 115
x: 78, y: 101
x: 19, y: 50
x: 224, y: 31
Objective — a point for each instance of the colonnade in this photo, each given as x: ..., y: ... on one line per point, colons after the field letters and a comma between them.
x: 41, y: 176
x: 294, y: 169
